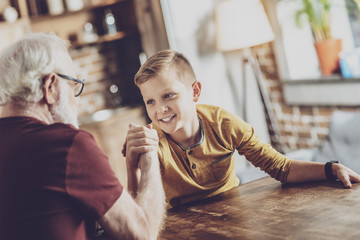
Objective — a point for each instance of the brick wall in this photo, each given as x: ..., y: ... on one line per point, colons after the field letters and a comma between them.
x: 96, y: 64
x: 102, y: 66
x: 301, y: 126
x: 109, y: 70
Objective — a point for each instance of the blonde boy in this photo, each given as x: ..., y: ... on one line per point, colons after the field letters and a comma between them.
x: 197, y: 142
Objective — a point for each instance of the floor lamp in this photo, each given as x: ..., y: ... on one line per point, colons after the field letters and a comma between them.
x: 241, y: 24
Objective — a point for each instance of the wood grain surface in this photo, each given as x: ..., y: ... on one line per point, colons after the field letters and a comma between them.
x: 266, y: 209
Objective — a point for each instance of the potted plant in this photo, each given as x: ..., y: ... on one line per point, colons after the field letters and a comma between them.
x: 318, y: 14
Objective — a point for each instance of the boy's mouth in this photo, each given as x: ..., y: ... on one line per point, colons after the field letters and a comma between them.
x: 167, y: 119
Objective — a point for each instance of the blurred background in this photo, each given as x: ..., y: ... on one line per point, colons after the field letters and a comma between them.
x: 262, y: 60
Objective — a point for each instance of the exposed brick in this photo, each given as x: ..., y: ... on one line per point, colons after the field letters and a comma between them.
x: 277, y: 98
x: 281, y: 121
x: 77, y: 55
x: 324, y: 124
x: 288, y: 133
x: 97, y: 65
x: 325, y: 111
x: 303, y: 126
x: 322, y: 137
x: 304, y: 134
x: 287, y: 144
x: 275, y: 88
x: 95, y: 87
x: 303, y: 145
x: 287, y: 110
x: 306, y: 110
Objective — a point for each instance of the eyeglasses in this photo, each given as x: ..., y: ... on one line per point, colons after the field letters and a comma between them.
x: 79, y: 85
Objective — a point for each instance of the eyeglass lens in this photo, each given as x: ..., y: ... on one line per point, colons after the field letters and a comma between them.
x: 77, y: 89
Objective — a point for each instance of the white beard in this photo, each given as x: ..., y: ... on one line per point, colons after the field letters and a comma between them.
x: 65, y: 112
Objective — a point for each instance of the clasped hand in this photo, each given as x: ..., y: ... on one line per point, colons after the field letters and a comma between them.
x: 139, y: 140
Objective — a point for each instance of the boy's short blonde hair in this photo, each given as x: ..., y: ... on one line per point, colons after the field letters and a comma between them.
x: 166, y: 60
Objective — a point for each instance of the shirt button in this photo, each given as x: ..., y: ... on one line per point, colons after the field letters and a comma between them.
x: 190, y: 152
x: 193, y: 166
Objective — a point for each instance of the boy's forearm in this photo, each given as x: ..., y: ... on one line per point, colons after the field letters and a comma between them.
x: 301, y: 171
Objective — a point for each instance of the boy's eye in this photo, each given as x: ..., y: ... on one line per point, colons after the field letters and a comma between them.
x: 148, y: 102
x: 169, y: 95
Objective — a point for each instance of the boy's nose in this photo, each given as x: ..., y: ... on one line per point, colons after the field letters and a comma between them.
x: 163, y: 108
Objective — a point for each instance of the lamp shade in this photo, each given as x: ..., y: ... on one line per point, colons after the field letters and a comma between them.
x: 241, y: 24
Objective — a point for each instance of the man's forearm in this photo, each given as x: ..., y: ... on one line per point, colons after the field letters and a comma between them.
x: 133, y: 176
x: 151, y: 196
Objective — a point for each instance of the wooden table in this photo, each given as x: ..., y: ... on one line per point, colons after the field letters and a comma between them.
x: 266, y: 209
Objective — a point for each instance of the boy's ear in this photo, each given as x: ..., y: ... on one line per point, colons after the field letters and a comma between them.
x: 196, y: 91
x: 49, y: 89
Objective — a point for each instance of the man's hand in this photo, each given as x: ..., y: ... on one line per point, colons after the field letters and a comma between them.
x: 345, y: 174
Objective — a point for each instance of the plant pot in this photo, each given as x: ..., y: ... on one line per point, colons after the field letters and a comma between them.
x: 328, y: 55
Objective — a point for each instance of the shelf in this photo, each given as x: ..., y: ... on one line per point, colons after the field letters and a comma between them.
x: 329, y: 91
x: 107, y: 3
x: 88, y: 8
x: 103, y: 39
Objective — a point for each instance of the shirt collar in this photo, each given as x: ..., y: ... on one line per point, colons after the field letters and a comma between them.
x: 196, y: 144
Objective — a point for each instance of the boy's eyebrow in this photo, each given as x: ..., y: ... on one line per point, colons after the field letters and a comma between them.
x: 164, y: 91
x: 170, y: 90
x: 144, y: 97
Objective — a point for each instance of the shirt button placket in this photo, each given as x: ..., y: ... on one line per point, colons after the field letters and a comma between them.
x: 193, y: 165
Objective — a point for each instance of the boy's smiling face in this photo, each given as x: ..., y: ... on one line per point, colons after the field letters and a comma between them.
x: 170, y: 103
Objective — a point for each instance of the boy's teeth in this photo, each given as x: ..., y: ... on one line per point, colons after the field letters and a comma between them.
x: 166, y: 119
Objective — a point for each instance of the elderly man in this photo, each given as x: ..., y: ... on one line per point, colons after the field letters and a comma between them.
x: 54, y: 179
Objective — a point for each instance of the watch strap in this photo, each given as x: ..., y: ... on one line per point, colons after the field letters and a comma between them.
x: 328, y: 170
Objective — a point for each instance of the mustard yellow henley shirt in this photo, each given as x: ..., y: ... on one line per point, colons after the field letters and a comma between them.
x: 207, y: 168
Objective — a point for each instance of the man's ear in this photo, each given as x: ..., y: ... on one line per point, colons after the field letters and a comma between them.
x: 196, y: 91
x: 49, y: 89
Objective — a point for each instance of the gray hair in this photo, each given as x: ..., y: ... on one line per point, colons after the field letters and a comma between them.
x: 25, y: 63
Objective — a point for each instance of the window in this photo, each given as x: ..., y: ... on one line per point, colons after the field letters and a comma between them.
x: 294, y: 46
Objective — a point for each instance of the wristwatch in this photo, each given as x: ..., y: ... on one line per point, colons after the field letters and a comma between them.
x: 328, y: 170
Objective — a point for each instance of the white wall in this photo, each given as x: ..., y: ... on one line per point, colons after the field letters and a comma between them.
x: 191, y: 30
